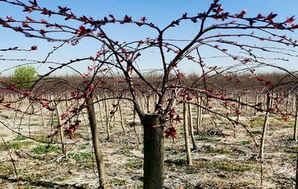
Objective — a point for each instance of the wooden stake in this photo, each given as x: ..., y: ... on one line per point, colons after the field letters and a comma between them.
x: 265, y: 125
x: 199, y: 114
x: 190, y: 125
x: 186, y: 136
x: 295, y: 124
x: 61, y: 133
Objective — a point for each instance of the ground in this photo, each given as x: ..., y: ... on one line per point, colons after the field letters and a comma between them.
x: 226, y: 157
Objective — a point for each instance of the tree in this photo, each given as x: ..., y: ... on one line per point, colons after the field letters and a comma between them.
x: 221, y: 32
x: 24, y: 77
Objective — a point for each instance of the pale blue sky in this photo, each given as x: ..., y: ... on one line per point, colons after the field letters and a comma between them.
x: 160, y: 12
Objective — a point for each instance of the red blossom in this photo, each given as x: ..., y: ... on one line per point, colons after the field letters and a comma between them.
x: 269, y: 84
x: 139, y: 23
x: 259, y: 79
x: 246, y: 60
x: 237, y: 111
x: 26, y: 93
x: 46, y: 12
x: 127, y: 19
x: 30, y: 19
x: 10, y: 19
x: 74, y: 94
x: 143, y: 19
x: 70, y: 16
x: 27, y: 9
x: 218, y: 9
x: 290, y: 20
x: 25, y: 24
x: 64, y: 115
x: 72, y: 128
x: 82, y: 30
x: 20, y: 29
x: 91, y: 86
x: 12, y: 87
x: 179, y: 75
x: 223, y: 97
x: 63, y: 10
x: 285, y: 117
x: 7, y: 105
x: 34, y: 47
x: 271, y: 16
x: 260, y: 16
x: 188, y: 98
x: 223, y: 16
x: 194, y: 19
x: 42, y: 32
x: 171, y: 132
x: 43, y: 21
x: 243, y: 12
x: 178, y: 119
x: 84, y: 19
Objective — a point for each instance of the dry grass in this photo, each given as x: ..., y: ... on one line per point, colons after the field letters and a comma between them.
x: 221, y: 161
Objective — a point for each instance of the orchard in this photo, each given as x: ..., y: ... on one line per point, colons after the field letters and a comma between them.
x: 128, y: 115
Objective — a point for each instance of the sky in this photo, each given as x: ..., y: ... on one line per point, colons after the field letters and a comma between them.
x: 160, y: 12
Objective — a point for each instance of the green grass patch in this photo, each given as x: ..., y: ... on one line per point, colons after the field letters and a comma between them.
x: 134, y: 163
x: 80, y: 156
x: 20, y: 138
x: 257, y: 122
x: 45, y: 139
x: 177, y: 162
x: 117, y: 182
x: 218, y: 151
x: 126, y: 151
x: 3, y: 135
x: 43, y: 149
x: 256, y: 132
x: 15, y: 145
x: 244, y: 142
x: 6, y: 169
x: 293, y: 149
x: 207, y: 139
x: 225, y: 166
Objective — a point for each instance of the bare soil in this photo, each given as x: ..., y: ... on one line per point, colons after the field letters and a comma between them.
x: 226, y: 157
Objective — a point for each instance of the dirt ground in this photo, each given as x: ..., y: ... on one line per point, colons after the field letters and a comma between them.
x: 225, y: 157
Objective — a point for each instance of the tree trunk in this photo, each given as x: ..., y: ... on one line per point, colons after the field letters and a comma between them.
x: 61, y: 133
x: 296, y: 185
x: 295, y: 124
x: 199, y: 114
x: 148, y: 103
x: 256, y: 102
x: 135, y: 129
x: 194, y: 146
x: 121, y: 119
x: 268, y: 103
x: 186, y: 136
x: 107, y: 115
x: 153, y: 151
x: 96, y: 146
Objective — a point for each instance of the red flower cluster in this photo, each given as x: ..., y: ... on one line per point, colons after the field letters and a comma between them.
x: 171, y: 132
x: 72, y: 128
